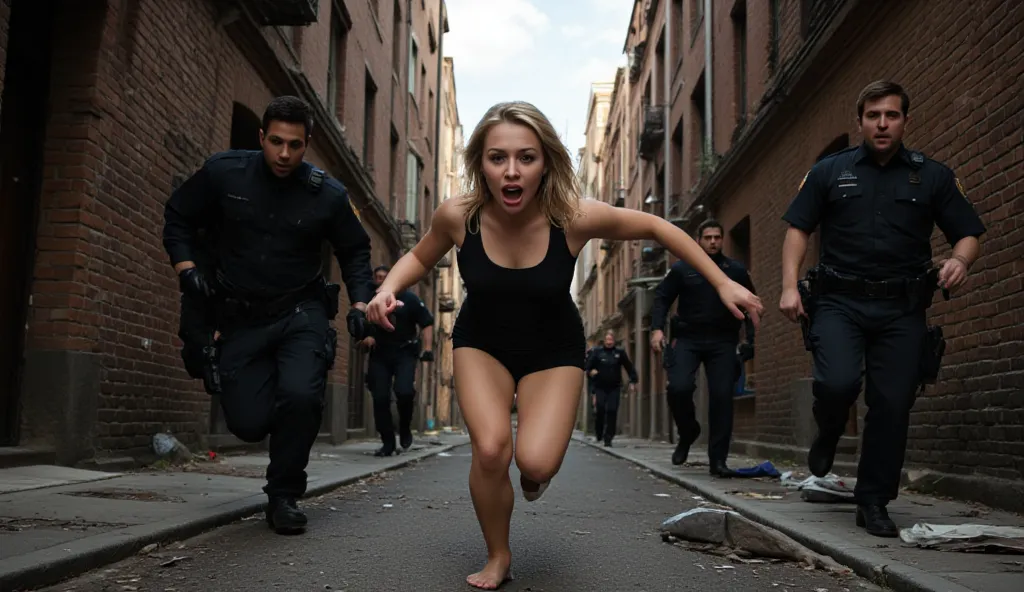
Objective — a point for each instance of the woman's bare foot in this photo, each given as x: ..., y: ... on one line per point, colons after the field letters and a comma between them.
x: 531, y: 489
x: 497, y: 571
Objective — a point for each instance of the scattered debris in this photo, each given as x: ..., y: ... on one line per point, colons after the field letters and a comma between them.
x: 174, y: 561
x: 727, y: 528
x: 167, y: 447
x: 965, y: 537
x: 756, y: 495
x: 126, y: 494
x: 830, y: 489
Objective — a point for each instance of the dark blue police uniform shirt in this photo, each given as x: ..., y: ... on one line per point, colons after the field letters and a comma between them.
x: 269, y: 231
x: 877, y: 221
x: 406, y: 318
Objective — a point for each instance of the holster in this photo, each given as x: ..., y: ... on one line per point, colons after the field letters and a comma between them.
x: 931, y: 354
x: 199, y: 352
x: 332, y: 292
x: 211, y: 369
x: 808, y: 289
x: 331, y: 346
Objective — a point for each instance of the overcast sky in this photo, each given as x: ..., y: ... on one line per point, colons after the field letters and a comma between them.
x: 546, y: 52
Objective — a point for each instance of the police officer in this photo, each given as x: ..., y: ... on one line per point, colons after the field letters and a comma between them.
x: 590, y: 389
x: 393, y: 358
x: 876, y: 205
x: 268, y: 213
x: 705, y: 332
x: 605, y: 371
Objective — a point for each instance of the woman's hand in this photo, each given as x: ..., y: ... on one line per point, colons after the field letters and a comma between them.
x: 738, y: 299
x: 382, y: 305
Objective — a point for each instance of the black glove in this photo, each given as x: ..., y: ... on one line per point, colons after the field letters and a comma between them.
x: 357, y: 325
x: 192, y: 281
x: 427, y: 356
x: 745, y: 351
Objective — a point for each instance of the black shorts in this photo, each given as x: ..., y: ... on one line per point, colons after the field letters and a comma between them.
x: 520, y: 364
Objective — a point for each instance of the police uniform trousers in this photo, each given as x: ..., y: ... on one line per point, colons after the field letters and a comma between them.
x: 881, y: 340
x: 391, y: 366
x: 274, y: 376
x: 722, y: 368
x: 606, y: 411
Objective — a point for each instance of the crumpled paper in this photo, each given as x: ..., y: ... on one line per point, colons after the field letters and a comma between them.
x: 965, y: 537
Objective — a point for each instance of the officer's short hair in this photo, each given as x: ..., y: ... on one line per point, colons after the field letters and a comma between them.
x: 383, y: 268
x: 880, y: 89
x: 709, y: 223
x: 289, y: 109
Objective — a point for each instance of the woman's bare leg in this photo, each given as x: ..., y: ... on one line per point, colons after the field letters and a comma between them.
x: 547, y: 404
x: 485, y: 391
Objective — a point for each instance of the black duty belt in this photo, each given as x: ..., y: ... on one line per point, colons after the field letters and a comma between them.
x: 259, y: 309
x: 834, y: 283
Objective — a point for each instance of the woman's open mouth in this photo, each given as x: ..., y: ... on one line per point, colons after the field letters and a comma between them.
x: 512, y: 195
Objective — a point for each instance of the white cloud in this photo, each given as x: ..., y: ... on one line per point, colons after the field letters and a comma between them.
x: 573, y: 31
x: 484, y: 39
x: 609, y: 5
x: 593, y: 70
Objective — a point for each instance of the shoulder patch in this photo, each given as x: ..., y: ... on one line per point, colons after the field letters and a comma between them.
x: 960, y: 186
x: 804, y: 180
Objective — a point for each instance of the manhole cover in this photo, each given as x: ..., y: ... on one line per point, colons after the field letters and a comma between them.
x: 127, y: 494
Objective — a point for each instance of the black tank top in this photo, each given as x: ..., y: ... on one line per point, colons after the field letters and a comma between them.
x: 518, y: 310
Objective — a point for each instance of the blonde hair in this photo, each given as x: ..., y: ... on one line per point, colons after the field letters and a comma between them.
x: 559, y: 193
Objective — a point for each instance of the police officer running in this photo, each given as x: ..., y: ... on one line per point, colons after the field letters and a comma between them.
x: 705, y: 332
x: 604, y: 367
x: 393, y: 357
x: 268, y: 213
x: 590, y: 388
x: 876, y: 205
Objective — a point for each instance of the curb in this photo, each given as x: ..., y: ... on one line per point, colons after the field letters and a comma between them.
x: 54, y: 564
x: 872, y: 566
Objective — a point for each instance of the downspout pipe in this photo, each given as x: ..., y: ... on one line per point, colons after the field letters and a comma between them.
x: 709, y: 107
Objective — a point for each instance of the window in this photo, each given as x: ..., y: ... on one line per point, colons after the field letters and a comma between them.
x: 336, y: 68
x: 412, y: 186
x: 396, y: 40
x: 414, y: 55
x: 369, y: 114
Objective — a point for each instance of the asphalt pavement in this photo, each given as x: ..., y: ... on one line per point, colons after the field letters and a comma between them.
x: 595, y: 528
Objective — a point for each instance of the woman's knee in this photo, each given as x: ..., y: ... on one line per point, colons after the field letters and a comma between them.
x: 538, y: 466
x: 493, y: 453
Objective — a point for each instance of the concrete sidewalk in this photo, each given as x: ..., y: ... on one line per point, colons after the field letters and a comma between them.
x: 57, y: 522
x: 829, y: 529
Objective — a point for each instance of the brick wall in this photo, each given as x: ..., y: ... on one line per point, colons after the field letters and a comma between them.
x: 139, y: 97
x: 970, y: 422
x: 5, y: 16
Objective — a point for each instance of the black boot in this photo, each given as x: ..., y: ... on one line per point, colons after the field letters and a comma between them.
x: 388, y: 448
x: 284, y: 516
x: 720, y: 469
x: 405, y: 409
x: 686, y: 440
x: 875, y: 520
x: 822, y: 453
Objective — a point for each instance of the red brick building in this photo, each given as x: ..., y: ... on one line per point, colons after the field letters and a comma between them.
x: 105, y: 107
x: 756, y: 92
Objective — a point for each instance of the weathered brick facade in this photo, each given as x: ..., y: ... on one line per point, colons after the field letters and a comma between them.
x: 140, y: 92
x: 803, y: 64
